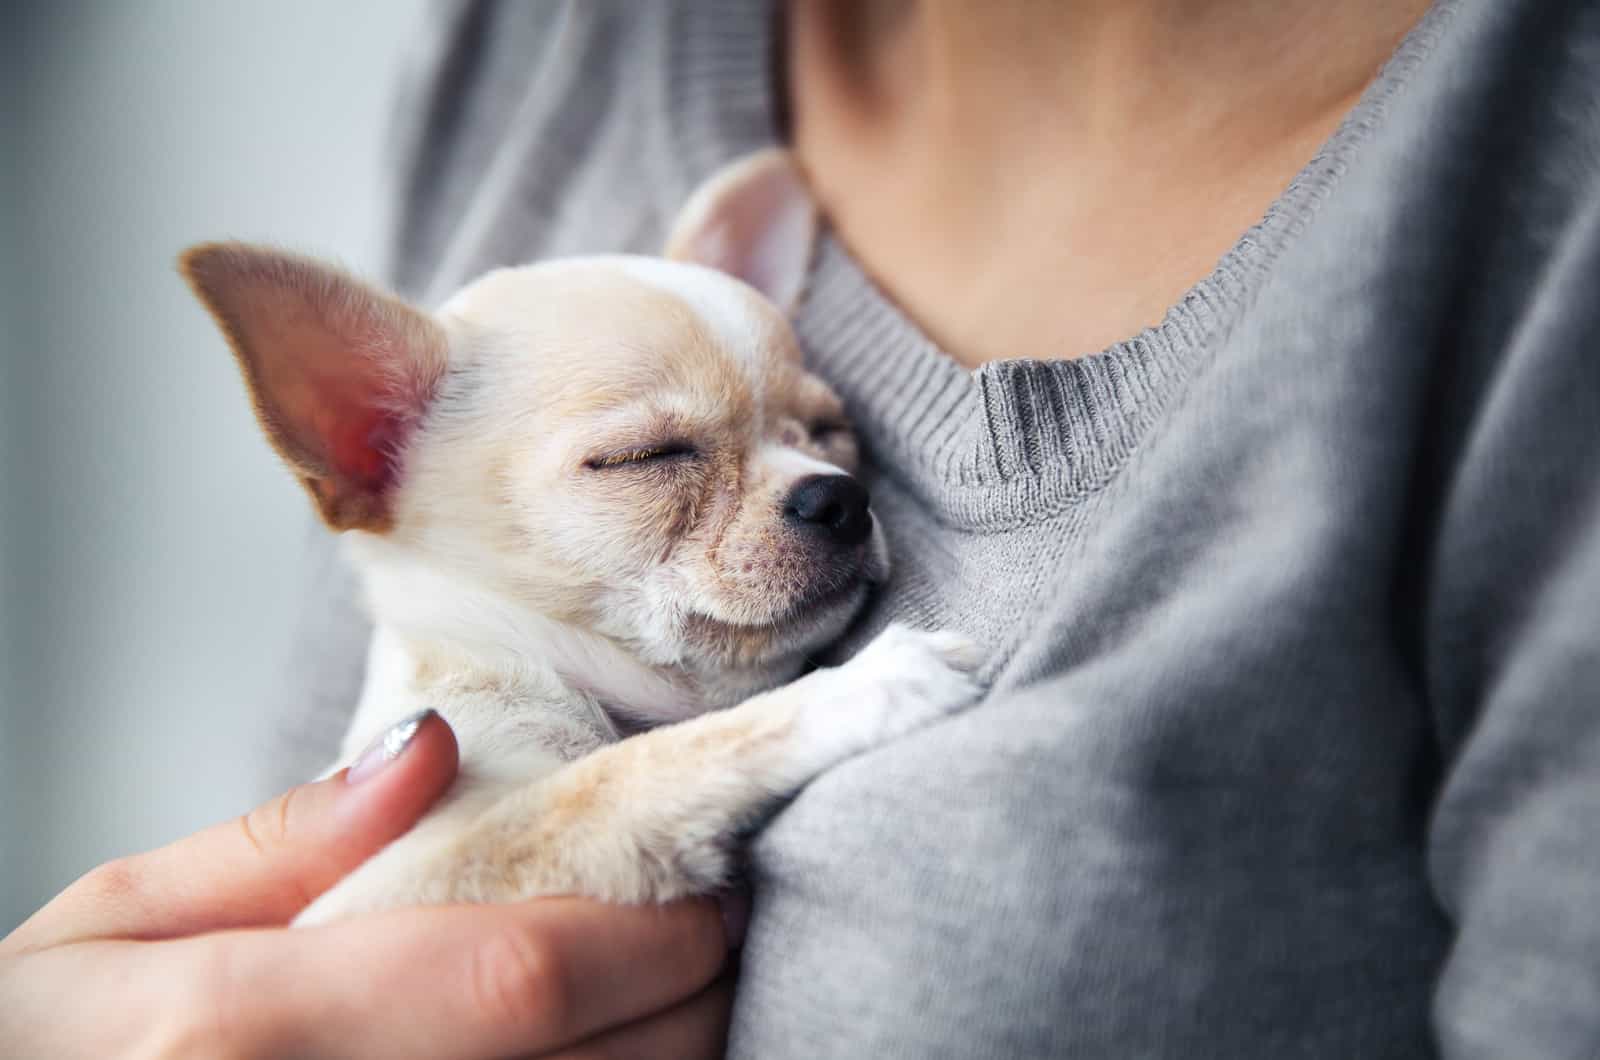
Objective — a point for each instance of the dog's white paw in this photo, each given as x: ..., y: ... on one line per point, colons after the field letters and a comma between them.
x: 909, y: 647
x: 903, y: 680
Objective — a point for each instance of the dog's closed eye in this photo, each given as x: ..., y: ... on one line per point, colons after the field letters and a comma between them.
x: 645, y: 454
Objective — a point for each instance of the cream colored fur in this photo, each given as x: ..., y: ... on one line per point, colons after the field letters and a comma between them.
x: 565, y: 492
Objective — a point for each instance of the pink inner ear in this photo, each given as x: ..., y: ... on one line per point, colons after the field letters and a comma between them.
x: 337, y: 403
x: 754, y: 219
x: 362, y: 448
x: 341, y: 373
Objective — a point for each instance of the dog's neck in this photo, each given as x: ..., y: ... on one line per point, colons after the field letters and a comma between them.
x: 493, y: 633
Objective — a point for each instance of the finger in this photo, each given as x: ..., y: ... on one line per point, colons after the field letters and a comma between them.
x: 264, y: 867
x: 467, y: 981
x: 695, y: 1029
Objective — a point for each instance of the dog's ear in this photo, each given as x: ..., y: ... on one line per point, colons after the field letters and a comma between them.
x: 340, y: 374
x: 753, y: 219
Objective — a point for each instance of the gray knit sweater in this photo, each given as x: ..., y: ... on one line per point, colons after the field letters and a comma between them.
x: 1295, y: 747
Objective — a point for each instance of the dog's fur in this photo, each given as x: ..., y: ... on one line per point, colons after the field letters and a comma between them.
x: 566, y: 493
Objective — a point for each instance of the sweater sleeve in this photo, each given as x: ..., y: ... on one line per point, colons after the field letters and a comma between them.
x: 1513, y: 657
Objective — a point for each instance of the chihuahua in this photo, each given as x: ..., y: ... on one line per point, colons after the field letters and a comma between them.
x: 602, y: 514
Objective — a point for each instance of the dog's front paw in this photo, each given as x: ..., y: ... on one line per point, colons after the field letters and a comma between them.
x: 921, y: 656
x: 912, y: 677
x: 903, y: 680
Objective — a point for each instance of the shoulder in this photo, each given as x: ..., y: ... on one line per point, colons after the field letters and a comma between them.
x: 540, y: 130
x: 1474, y: 196
x: 1493, y: 223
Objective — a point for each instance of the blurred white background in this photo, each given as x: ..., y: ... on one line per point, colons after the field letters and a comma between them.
x: 149, y: 541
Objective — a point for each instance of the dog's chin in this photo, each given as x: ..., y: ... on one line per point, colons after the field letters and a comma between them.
x: 751, y: 652
x: 781, y: 643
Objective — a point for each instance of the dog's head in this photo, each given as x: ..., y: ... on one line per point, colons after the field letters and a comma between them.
x: 629, y: 446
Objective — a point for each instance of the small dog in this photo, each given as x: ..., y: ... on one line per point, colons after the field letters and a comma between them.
x: 589, y: 497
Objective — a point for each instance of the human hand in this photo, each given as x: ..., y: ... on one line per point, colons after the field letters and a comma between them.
x: 185, y: 950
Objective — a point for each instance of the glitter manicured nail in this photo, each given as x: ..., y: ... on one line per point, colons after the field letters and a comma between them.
x: 386, y: 748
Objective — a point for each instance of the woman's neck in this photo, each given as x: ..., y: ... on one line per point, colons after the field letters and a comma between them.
x: 1103, y: 152
x: 1115, y: 69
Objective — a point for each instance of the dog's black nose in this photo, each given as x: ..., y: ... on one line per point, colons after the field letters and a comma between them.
x: 834, y: 506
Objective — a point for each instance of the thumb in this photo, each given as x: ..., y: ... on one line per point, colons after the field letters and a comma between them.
x: 264, y: 867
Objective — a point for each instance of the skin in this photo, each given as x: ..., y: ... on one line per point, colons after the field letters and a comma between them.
x: 185, y: 953
x: 1071, y: 168
x: 1097, y: 155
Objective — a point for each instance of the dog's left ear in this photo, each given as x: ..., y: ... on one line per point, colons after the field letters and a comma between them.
x: 340, y: 373
x: 754, y: 219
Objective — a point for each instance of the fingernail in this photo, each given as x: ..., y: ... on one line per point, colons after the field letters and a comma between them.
x: 386, y: 748
x: 735, y: 915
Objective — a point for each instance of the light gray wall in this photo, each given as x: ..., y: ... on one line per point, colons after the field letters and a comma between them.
x: 149, y: 542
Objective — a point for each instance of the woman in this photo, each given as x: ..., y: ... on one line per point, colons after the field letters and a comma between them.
x: 1291, y: 751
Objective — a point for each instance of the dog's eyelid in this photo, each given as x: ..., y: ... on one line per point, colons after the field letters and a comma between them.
x: 641, y: 454
x: 824, y: 427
